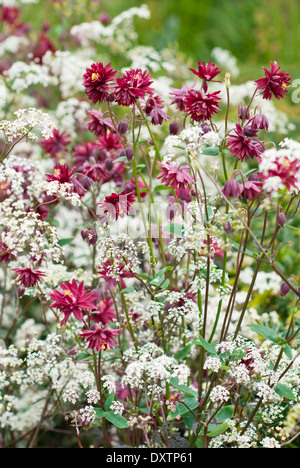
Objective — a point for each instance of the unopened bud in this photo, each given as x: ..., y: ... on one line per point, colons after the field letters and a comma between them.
x: 129, y: 153
x: 21, y: 291
x: 281, y: 219
x: 227, y: 227
x: 122, y: 127
x: 109, y: 164
x: 284, y: 289
x: 173, y: 128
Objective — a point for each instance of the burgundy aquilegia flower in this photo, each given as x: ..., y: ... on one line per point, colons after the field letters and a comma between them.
x: 175, y: 176
x: 96, y: 81
x: 201, y: 106
x: 57, y: 144
x: 207, y: 72
x: 73, y: 299
x: 28, y: 277
x: 100, y: 338
x: 116, y: 205
x: 133, y: 84
x: 275, y: 82
x: 98, y: 124
x: 243, y: 147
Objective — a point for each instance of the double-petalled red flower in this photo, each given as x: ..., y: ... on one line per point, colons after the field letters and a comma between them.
x: 73, y: 299
x: 206, y: 72
x: 100, y: 338
x: 133, y: 85
x: 97, y: 81
x: 98, y: 124
x: 28, y: 277
x: 116, y: 205
x: 57, y: 144
x: 175, y: 176
x: 243, y: 147
x: 275, y: 82
x: 201, y: 106
x: 104, y: 312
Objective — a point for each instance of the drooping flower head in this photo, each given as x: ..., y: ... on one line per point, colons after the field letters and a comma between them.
x: 154, y: 109
x: 275, y: 82
x: 175, y: 176
x: 98, y: 124
x: 57, y: 144
x: 116, y: 205
x: 243, y: 147
x: 28, y: 277
x: 100, y: 338
x: 96, y: 81
x: 206, y: 72
x: 200, y: 106
x: 133, y: 85
x: 73, y: 299
x: 179, y: 94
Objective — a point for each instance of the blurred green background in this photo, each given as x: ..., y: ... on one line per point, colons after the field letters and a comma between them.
x: 254, y: 31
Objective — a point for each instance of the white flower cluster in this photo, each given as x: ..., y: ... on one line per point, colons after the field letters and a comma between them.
x: 281, y: 167
x: 22, y: 127
x: 149, y: 365
x: 120, y: 34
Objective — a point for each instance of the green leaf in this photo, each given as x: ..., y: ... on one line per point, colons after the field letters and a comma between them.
x: 288, y: 351
x: 184, y: 388
x: 208, y: 346
x: 181, y: 409
x: 184, y: 351
x: 120, y: 159
x: 109, y: 401
x: 225, y: 413
x: 219, y: 430
x: 130, y: 289
x: 266, y: 332
x: 66, y: 241
x: 284, y: 391
x: 117, y: 420
x: 247, y: 251
x: 212, y: 151
x: 159, y: 188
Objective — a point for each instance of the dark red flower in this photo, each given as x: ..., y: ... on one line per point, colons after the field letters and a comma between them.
x: 5, y: 253
x: 231, y: 188
x: 286, y: 170
x: 10, y: 14
x: 243, y: 147
x: 83, y: 152
x: 250, y: 189
x: 153, y: 109
x: 275, y: 82
x: 207, y: 72
x: 116, y: 205
x: 64, y: 175
x: 110, y: 142
x: 100, y: 338
x: 104, y: 312
x: 73, y: 299
x: 132, y: 85
x: 57, y: 144
x: 200, y: 106
x: 98, y: 124
x: 96, y: 81
x: 28, y: 277
x: 175, y: 176
x: 179, y: 95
